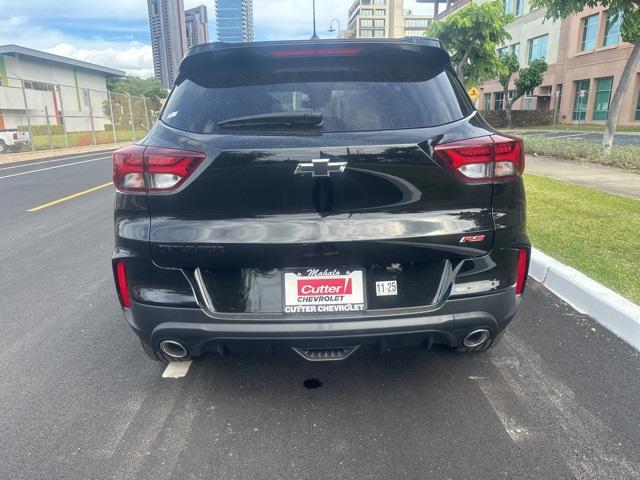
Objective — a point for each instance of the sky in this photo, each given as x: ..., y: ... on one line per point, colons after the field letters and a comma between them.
x: 115, y: 33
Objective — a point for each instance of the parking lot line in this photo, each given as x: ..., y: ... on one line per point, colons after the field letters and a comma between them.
x: 572, y: 135
x: 68, y: 197
x: 176, y: 369
x: 51, y: 168
x: 31, y: 163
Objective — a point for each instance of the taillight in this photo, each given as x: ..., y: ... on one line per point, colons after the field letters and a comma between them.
x: 122, y: 284
x: 142, y: 169
x: 521, y: 270
x: 484, y: 158
x: 15, y: 136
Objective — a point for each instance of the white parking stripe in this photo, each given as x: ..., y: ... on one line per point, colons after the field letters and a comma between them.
x: 176, y: 369
x: 571, y: 135
x: 33, y: 164
x: 51, y: 168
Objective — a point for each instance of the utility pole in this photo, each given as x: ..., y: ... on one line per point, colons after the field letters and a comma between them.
x: 315, y: 35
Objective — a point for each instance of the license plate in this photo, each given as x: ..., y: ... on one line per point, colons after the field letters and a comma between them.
x: 314, y: 290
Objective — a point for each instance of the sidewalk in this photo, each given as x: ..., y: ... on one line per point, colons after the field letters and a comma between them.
x: 607, y: 179
x: 58, y: 152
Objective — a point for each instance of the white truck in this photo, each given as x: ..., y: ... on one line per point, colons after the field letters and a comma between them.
x: 12, y: 140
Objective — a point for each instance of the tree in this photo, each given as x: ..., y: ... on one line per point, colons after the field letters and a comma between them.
x: 629, y: 11
x: 507, y: 66
x: 528, y: 79
x: 472, y: 35
x: 148, y: 87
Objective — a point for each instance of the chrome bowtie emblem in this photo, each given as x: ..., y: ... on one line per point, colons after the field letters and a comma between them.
x: 320, y: 168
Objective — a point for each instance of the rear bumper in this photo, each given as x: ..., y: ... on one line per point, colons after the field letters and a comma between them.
x: 200, y: 333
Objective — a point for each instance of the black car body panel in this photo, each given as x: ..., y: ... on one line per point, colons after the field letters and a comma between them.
x: 205, y: 261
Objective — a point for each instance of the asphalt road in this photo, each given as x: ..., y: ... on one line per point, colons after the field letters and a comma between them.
x: 592, y: 137
x: 558, y: 398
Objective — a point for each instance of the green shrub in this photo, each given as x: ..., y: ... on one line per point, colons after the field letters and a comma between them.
x: 42, y: 129
x: 621, y: 156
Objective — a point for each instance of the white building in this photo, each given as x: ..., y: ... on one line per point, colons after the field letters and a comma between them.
x: 49, y: 87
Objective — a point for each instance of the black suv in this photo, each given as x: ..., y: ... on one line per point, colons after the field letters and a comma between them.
x: 319, y: 196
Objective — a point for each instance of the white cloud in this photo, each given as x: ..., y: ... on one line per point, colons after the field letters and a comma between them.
x: 135, y: 59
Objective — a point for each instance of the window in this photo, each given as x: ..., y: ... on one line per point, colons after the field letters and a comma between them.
x: 371, y: 97
x: 603, y: 96
x: 581, y: 100
x: 637, y: 117
x: 498, y: 103
x: 515, y: 49
x: 508, y: 7
x: 366, y: 12
x: 380, y: 12
x: 366, y: 33
x: 612, y: 30
x: 515, y: 7
x: 366, y: 23
x: 487, y: 101
x: 503, y: 51
x: 378, y: 23
x: 589, y: 32
x: 378, y: 33
x: 538, y: 47
x: 47, y: 87
x: 379, y: 2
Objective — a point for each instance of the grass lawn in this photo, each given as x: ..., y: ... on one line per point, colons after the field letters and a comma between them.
x: 74, y: 139
x: 579, y: 128
x: 594, y: 232
x: 621, y: 156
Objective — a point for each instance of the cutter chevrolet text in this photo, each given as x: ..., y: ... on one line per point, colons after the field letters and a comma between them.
x: 320, y: 196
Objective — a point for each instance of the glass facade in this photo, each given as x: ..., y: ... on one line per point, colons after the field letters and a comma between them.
x: 612, y: 30
x: 580, y: 102
x: 234, y: 20
x: 590, y: 32
x: 538, y: 47
x: 603, y: 96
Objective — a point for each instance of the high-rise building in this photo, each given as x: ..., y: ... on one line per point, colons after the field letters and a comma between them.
x: 197, y: 25
x: 168, y: 38
x: 234, y: 19
x: 384, y: 19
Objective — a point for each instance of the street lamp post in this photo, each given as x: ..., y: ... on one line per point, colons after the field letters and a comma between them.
x: 315, y: 35
x: 331, y: 29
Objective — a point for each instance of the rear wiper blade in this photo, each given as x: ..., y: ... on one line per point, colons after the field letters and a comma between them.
x: 276, y: 118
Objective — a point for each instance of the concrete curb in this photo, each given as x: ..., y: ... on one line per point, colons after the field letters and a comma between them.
x: 611, y: 310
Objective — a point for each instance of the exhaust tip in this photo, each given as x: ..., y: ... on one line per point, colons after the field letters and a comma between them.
x: 173, y: 349
x: 476, y: 338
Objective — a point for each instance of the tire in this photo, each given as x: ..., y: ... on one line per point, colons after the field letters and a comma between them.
x: 158, y: 356
x: 3, y: 147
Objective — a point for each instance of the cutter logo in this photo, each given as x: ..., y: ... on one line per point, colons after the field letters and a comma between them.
x: 324, y: 286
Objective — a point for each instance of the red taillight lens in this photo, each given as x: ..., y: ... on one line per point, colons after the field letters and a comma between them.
x: 316, y: 52
x: 521, y: 270
x: 128, y: 168
x: 138, y: 168
x: 15, y: 136
x: 122, y: 284
x: 483, y: 158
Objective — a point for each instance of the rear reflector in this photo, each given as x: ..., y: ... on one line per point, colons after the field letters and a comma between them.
x: 122, y: 285
x: 484, y: 158
x: 521, y: 271
x: 316, y: 52
x: 143, y: 169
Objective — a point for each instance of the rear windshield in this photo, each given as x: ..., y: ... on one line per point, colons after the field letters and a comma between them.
x: 349, y: 101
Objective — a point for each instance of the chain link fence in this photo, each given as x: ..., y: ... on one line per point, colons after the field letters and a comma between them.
x: 58, y: 115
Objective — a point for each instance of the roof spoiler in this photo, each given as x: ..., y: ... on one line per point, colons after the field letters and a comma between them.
x: 283, y: 50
